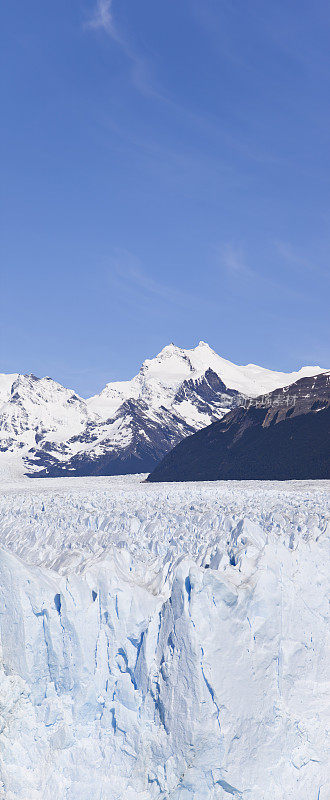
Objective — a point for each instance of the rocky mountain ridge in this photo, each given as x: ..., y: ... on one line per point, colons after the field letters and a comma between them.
x: 284, y: 435
x: 48, y: 430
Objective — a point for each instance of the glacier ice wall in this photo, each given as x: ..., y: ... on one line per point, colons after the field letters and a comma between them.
x: 163, y: 642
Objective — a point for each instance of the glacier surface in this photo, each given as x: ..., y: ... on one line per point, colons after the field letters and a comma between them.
x: 163, y: 641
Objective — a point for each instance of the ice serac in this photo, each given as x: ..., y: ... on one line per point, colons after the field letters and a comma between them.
x: 48, y: 430
x: 162, y: 641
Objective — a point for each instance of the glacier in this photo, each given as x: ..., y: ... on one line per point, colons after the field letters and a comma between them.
x: 163, y: 640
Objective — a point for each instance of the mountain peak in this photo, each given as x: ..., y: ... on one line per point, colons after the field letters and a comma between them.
x: 52, y: 424
x: 169, y: 349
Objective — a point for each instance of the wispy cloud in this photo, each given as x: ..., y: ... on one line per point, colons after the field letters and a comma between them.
x: 233, y: 259
x: 102, y: 19
x: 293, y: 257
x: 127, y: 268
x: 234, y: 263
x: 140, y: 287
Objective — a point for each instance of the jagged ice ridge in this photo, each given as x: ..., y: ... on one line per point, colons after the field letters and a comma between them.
x: 163, y: 641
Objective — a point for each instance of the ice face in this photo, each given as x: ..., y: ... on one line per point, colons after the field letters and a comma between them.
x: 162, y: 641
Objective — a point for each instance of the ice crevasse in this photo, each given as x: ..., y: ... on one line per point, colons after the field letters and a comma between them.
x: 190, y: 675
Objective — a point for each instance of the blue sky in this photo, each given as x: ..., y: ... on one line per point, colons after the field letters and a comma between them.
x: 165, y: 177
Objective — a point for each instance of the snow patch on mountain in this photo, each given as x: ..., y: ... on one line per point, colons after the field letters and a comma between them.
x: 130, y: 425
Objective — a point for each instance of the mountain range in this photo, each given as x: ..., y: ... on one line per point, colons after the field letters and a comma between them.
x: 284, y: 435
x: 47, y: 430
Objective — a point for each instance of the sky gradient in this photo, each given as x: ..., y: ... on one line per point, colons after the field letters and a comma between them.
x: 165, y: 177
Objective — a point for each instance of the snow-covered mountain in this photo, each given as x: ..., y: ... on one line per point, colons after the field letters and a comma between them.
x: 284, y: 435
x: 130, y: 425
x: 31, y: 407
x: 159, y: 378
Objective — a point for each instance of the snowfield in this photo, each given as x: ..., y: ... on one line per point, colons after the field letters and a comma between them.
x: 163, y: 640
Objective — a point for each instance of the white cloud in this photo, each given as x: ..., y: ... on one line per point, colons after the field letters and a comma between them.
x: 102, y: 17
